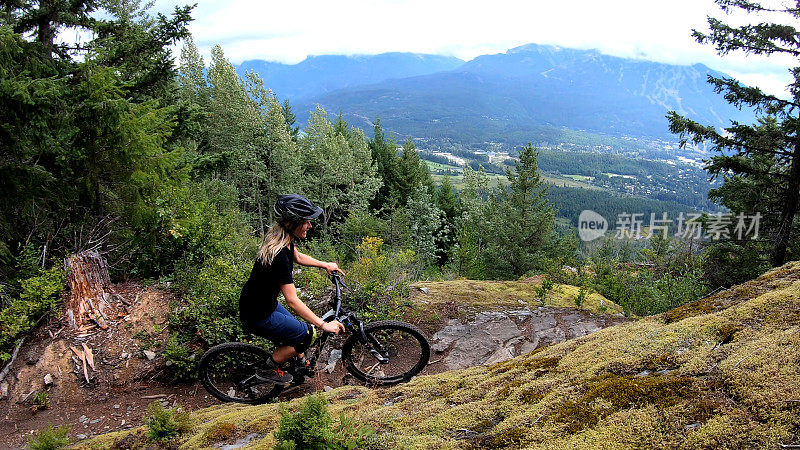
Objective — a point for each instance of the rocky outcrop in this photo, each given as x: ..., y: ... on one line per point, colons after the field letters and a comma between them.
x: 495, y: 336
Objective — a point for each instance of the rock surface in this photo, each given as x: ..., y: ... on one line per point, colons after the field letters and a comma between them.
x: 496, y: 336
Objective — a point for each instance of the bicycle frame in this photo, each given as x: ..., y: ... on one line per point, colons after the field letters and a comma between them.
x: 351, y: 322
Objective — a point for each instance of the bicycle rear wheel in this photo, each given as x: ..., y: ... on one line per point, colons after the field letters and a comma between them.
x: 233, y: 372
x: 404, y: 348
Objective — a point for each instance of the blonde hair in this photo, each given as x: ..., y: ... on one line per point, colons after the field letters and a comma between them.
x: 276, y: 239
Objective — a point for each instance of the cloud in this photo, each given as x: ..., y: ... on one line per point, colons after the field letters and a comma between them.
x: 289, y: 32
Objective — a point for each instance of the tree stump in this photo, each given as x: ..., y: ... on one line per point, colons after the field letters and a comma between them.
x: 90, y: 289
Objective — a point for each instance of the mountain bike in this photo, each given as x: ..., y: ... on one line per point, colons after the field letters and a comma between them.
x: 379, y: 353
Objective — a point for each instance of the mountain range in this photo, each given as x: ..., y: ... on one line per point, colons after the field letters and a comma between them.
x: 532, y: 93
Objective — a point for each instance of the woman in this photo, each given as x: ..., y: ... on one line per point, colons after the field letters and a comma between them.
x: 259, y: 310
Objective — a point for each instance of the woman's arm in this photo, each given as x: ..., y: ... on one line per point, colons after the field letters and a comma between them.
x: 290, y: 294
x: 301, y: 258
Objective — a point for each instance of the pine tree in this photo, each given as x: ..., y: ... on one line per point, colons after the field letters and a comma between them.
x: 81, y: 150
x: 384, y: 154
x: 448, y: 203
x: 508, y: 231
x: 290, y: 120
x: 767, y: 153
x: 412, y: 174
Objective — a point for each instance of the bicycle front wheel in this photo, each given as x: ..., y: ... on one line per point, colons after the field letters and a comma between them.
x: 233, y: 372
x: 394, y: 352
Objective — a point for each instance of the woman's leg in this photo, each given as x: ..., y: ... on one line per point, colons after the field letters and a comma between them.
x: 282, y: 326
x: 283, y: 354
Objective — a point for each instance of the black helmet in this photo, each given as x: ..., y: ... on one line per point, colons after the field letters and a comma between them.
x: 296, y: 208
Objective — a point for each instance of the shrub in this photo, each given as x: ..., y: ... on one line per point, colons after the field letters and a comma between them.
x: 40, y: 401
x: 379, y: 282
x: 191, y: 223
x: 348, y: 435
x: 648, y: 280
x: 308, y: 428
x: 212, y: 313
x: 581, y: 297
x: 728, y: 263
x: 311, y: 282
x: 181, y: 358
x: 541, y: 291
x: 39, y: 295
x: 166, y: 424
x: 50, y: 438
x: 312, y: 427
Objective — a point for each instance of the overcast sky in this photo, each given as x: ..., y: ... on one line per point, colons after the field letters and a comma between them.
x: 288, y: 32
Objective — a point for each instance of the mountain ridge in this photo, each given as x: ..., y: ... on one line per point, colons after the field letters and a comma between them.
x: 324, y: 73
x: 534, y: 91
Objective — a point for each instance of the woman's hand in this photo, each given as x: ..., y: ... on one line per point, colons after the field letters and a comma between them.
x: 333, y: 327
x: 332, y: 267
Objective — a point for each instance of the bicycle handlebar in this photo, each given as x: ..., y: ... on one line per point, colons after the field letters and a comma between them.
x: 336, y: 278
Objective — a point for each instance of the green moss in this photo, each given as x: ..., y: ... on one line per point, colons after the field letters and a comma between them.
x: 526, y: 363
x: 506, y: 390
x: 727, y: 331
x: 611, y: 393
x: 219, y: 432
x: 772, y: 280
x: 584, y: 393
x: 456, y: 297
x: 531, y: 395
x: 697, y: 308
x: 541, y: 363
x: 505, y: 438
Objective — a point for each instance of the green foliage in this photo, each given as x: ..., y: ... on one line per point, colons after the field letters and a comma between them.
x: 311, y: 283
x: 313, y: 428
x: 360, y: 224
x: 379, y: 281
x: 195, y: 222
x: 668, y: 276
x: 182, y: 359
x: 87, y: 140
x: 505, y: 232
x: 419, y: 225
x: 729, y: 263
x: 308, y: 428
x: 166, y: 424
x: 449, y: 204
x: 348, y: 435
x: 50, y: 438
x: 541, y: 291
x: 758, y: 162
x: 581, y: 297
x: 337, y: 171
x: 38, y: 296
x: 384, y: 153
x: 212, y: 312
x: 40, y: 401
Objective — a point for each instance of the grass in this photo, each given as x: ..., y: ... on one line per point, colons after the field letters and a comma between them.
x: 721, y: 374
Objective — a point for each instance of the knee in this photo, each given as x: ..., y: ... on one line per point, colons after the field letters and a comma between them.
x: 305, y: 342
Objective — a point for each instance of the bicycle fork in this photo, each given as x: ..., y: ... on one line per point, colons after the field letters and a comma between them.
x: 374, y: 346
